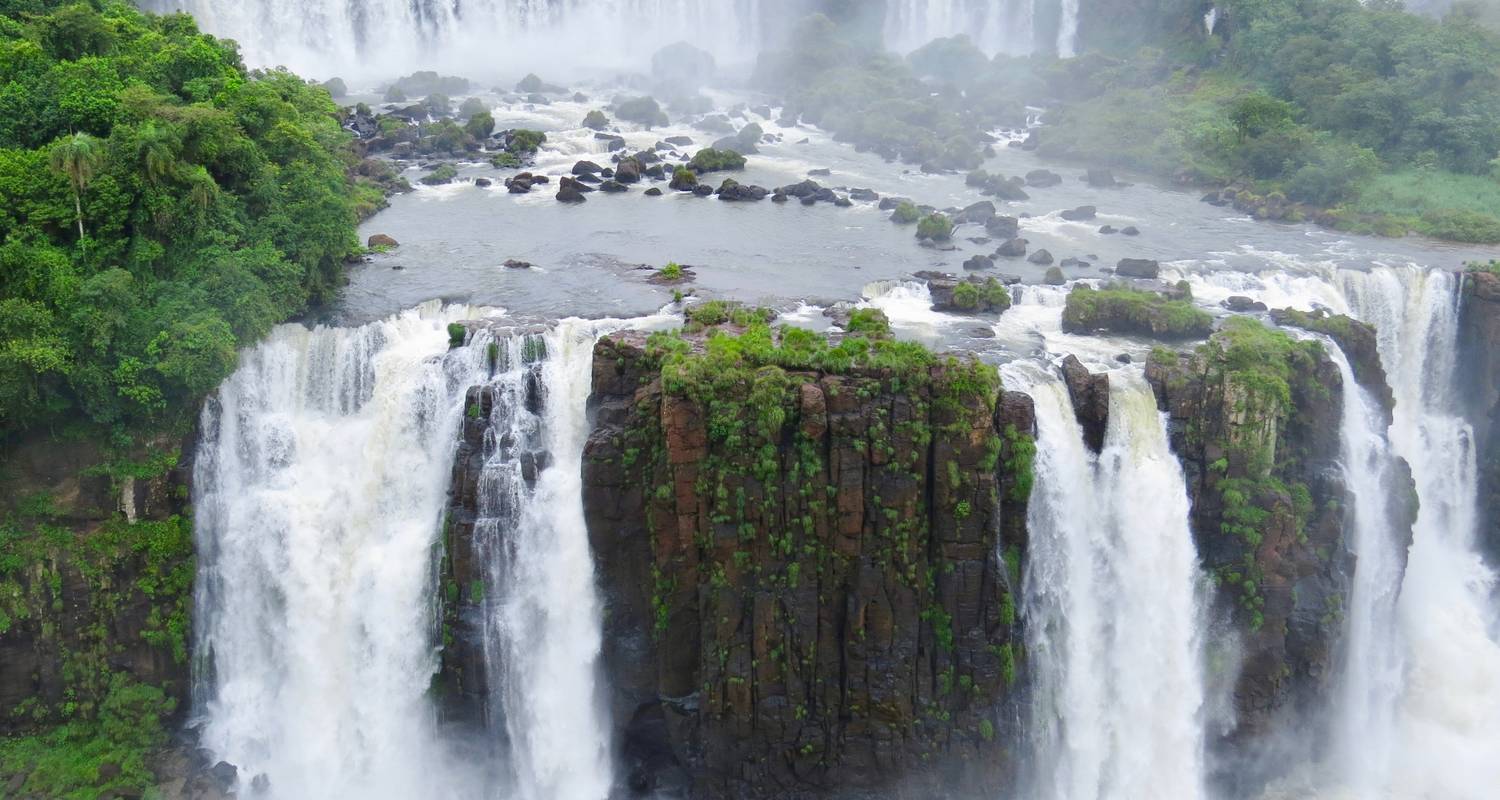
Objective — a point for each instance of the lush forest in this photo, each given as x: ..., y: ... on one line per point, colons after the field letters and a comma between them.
x: 160, y: 206
x: 1388, y: 120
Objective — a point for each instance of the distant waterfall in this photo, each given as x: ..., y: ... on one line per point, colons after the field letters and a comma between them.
x: 1111, y: 602
x: 995, y: 26
x: 1067, y: 29
x: 320, y: 481
x: 368, y: 40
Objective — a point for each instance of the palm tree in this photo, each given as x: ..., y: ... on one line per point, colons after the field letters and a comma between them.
x: 202, y: 189
x: 157, y: 151
x: 77, y: 157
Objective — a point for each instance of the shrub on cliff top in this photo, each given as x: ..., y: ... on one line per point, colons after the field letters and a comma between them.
x: 869, y: 321
x: 1121, y: 309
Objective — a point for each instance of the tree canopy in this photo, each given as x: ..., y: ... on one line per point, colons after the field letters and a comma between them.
x: 160, y: 206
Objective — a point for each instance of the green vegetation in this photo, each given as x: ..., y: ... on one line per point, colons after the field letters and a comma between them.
x: 718, y: 312
x: 162, y: 206
x: 595, y: 120
x: 871, y: 322
x: 711, y: 160
x: 1121, y: 309
x: 1390, y: 119
x: 987, y: 295
x: 672, y: 272
x: 525, y: 142
x: 906, y: 214
x: 480, y: 125
x: 1257, y: 369
x: 936, y: 227
x: 68, y: 762
x: 441, y: 174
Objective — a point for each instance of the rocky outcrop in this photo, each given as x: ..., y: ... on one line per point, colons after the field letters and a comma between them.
x: 1256, y: 419
x: 803, y: 574
x: 1090, y: 395
x: 1479, y: 351
x: 96, y: 574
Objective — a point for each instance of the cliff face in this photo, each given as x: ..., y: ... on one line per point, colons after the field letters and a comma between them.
x: 1479, y: 351
x: 803, y: 575
x: 96, y: 578
x: 1256, y: 419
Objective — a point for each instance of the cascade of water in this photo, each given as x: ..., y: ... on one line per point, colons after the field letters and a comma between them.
x: 995, y: 26
x: 1371, y: 687
x: 1111, y: 602
x: 320, y: 481
x: 374, y: 39
x: 1448, y: 727
x: 542, y: 635
x: 1067, y: 29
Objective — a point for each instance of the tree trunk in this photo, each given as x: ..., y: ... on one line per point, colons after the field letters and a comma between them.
x: 78, y: 208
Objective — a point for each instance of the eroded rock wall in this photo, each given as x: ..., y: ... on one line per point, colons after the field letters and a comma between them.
x: 810, y: 585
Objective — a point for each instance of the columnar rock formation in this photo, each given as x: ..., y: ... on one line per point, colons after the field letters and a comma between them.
x: 804, y: 578
x: 1256, y: 420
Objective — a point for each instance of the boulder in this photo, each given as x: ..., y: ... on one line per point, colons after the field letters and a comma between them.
x: 1041, y: 257
x: 977, y: 213
x: 1090, y: 395
x: 515, y: 263
x: 1240, y: 304
x: 483, y: 183
x: 1002, y: 227
x: 570, y: 193
x: 381, y: 240
x: 1107, y: 229
x: 1078, y: 214
x: 1013, y: 248
x: 1130, y: 230
x: 1054, y: 276
x: 586, y: 168
x: 1138, y: 268
x: 679, y: 141
x: 613, y: 186
x: 1101, y: 178
x: 1042, y: 178
x: 979, y: 262
x: 864, y: 195
x: 734, y: 191
x: 653, y: 192
x: 628, y: 170
x: 595, y: 120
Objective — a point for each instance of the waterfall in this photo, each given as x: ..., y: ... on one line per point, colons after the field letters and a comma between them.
x: 1447, y: 736
x: 1372, y: 663
x: 381, y: 39
x: 995, y: 26
x: 1435, y: 732
x: 1111, y: 601
x: 320, y: 480
x: 1067, y: 29
x: 541, y: 626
